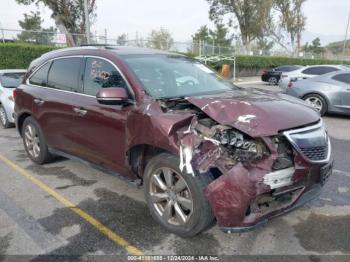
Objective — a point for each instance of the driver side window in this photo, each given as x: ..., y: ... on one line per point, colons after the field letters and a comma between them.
x: 99, y: 74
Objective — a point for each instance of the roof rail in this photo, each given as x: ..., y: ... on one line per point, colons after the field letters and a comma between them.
x: 99, y: 45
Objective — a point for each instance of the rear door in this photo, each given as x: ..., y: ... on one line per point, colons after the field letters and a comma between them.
x: 99, y: 130
x: 57, y: 85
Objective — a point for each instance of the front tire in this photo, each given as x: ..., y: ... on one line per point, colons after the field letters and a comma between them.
x: 317, y: 102
x: 176, y: 199
x: 4, y: 119
x: 34, y: 142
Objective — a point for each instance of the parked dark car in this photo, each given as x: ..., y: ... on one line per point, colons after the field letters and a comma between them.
x: 326, y: 93
x: 203, y: 149
x: 273, y: 76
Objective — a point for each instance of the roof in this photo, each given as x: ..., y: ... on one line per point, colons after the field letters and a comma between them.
x: 119, y: 50
x: 3, y: 71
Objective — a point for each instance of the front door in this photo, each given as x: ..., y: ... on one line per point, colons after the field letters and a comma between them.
x: 99, y: 130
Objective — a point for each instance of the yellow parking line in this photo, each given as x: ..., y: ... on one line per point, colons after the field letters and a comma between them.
x: 117, y: 239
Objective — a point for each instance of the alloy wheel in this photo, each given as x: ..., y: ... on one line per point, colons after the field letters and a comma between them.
x: 3, y: 116
x: 272, y: 80
x: 315, y: 102
x: 171, y: 196
x: 32, y: 140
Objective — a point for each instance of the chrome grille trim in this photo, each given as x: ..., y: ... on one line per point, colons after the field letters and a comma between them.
x: 288, y: 134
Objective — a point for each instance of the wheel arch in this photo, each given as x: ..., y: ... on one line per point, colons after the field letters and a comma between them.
x: 139, y: 155
x: 20, y: 121
x: 317, y: 93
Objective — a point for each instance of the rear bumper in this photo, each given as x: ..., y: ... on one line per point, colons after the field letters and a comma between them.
x: 265, y: 78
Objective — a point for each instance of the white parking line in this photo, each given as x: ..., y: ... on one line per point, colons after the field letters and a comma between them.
x: 344, y: 173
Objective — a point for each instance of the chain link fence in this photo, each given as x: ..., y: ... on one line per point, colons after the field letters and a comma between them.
x: 198, y: 48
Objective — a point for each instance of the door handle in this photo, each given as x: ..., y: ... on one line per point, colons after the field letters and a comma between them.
x: 80, y: 111
x: 38, y: 101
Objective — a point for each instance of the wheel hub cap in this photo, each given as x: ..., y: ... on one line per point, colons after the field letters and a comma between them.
x: 2, y: 116
x: 32, y: 141
x: 315, y: 103
x: 171, y: 196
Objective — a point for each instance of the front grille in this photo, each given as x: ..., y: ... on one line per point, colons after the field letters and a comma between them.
x: 312, y: 142
x: 317, y: 153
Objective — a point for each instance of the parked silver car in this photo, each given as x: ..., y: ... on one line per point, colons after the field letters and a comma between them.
x: 308, y: 72
x: 9, y: 80
x: 326, y: 93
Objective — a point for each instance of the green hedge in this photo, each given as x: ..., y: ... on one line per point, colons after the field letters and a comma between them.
x: 13, y: 55
x: 261, y: 62
x: 17, y: 55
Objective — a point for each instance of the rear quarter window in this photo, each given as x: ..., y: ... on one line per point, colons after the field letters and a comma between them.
x: 39, y: 78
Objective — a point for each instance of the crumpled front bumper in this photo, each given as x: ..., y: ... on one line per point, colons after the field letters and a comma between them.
x: 241, y: 200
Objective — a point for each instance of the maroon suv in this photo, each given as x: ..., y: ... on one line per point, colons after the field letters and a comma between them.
x: 203, y: 148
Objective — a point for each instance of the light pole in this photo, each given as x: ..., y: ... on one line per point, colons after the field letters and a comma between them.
x: 346, y: 36
x: 87, y: 22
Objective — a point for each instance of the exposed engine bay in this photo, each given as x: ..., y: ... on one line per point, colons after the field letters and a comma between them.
x: 225, y: 145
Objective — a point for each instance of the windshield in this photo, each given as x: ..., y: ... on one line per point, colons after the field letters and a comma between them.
x: 166, y: 76
x: 11, y: 80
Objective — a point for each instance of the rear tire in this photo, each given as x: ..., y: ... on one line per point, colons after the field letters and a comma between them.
x: 273, y: 81
x: 318, y: 102
x: 34, y: 142
x: 164, y: 198
x: 4, y: 119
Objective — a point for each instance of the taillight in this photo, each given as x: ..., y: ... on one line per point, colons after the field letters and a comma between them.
x: 264, y: 72
x: 14, y: 94
x: 290, y: 84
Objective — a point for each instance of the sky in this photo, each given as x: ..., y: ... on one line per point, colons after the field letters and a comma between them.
x: 325, y: 18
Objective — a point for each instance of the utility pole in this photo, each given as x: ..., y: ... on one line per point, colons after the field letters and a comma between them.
x: 346, y: 35
x: 87, y: 22
x: 2, y: 33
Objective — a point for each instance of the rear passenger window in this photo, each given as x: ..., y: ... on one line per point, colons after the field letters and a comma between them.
x: 39, y: 78
x: 100, y: 74
x: 345, y: 78
x: 319, y: 70
x: 65, y: 73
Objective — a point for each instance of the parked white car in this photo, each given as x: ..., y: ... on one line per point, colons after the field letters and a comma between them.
x: 9, y: 80
x: 308, y: 72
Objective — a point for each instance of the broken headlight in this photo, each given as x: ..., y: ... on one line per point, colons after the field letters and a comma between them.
x: 239, y: 146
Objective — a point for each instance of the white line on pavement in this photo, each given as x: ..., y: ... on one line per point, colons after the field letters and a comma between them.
x: 342, y: 172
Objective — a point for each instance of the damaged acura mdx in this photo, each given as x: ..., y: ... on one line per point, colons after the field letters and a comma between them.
x: 202, y: 148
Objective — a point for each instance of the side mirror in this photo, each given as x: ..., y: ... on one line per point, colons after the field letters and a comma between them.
x: 112, y: 96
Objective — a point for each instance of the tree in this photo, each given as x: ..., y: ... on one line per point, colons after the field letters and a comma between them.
x: 202, y: 34
x: 68, y: 15
x: 315, y: 47
x: 292, y: 19
x: 122, y: 40
x: 221, y: 35
x: 32, y: 22
x: 160, y: 39
x: 251, y: 15
x: 264, y: 45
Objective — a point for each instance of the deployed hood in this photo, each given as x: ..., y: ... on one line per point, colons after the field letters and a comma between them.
x: 255, y: 112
